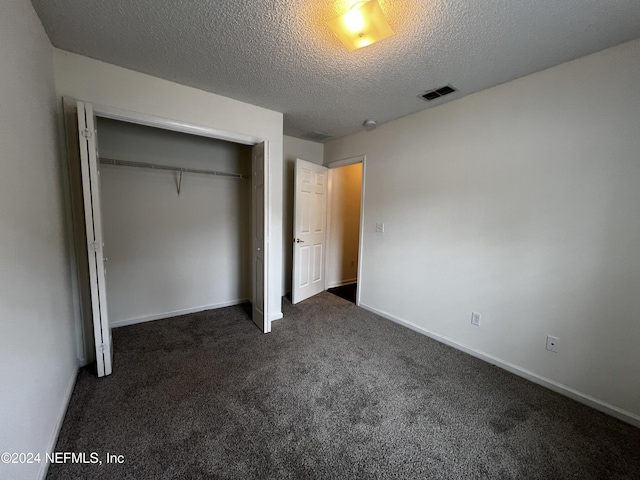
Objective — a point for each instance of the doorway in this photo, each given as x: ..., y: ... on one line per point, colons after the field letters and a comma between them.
x: 344, y: 229
x: 327, y: 228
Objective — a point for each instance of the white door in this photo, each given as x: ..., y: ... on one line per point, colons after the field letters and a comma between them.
x: 259, y: 234
x: 93, y: 222
x: 309, y: 230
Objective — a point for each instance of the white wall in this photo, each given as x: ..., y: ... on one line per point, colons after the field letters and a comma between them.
x: 105, y: 84
x: 170, y: 254
x: 344, y: 225
x: 311, y: 152
x: 521, y: 203
x: 37, y: 349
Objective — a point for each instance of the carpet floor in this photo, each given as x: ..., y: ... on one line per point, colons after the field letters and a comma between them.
x: 333, y: 392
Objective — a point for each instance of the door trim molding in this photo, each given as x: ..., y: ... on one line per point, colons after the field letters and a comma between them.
x: 174, y: 125
x: 344, y: 162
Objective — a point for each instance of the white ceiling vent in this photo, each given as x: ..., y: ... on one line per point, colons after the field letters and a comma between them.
x: 317, y: 136
x: 437, y: 93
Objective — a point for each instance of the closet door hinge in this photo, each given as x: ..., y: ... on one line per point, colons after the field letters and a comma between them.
x: 101, y: 347
x: 86, y: 133
x: 94, y: 246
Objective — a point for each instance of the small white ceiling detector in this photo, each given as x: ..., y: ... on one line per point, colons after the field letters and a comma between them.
x: 370, y: 125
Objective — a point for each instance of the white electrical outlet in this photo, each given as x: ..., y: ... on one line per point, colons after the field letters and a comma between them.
x: 380, y: 227
x: 552, y: 343
x: 475, y: 318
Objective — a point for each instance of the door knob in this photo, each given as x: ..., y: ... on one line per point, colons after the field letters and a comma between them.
x: 297, y: 240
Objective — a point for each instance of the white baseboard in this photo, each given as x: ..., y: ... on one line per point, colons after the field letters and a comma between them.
x: 275, y: 316
x: 342, y: 283
x: 149, y: 318
x: 51, y: 445
x: 588, y: 400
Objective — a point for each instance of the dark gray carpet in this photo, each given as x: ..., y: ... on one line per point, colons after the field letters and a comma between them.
x: 332, y: 392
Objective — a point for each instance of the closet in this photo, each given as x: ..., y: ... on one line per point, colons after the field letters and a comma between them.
x: 176, y: 238
x: 165, y: 222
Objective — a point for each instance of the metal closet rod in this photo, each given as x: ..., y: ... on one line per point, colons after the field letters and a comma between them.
x: 154, y: 166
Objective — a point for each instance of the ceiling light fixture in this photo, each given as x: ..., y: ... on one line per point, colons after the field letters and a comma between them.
x: 362, y: 25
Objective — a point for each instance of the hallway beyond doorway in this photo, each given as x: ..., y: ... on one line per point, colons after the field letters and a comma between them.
x: 348, y: 292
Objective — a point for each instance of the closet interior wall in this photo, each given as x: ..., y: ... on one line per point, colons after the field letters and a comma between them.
x: 169, y: 253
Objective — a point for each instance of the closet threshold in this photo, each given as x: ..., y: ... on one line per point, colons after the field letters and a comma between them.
x: 155, y: 166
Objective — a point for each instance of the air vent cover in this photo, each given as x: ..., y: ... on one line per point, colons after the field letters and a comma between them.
x: 317, y: 136
x: 437, y: 93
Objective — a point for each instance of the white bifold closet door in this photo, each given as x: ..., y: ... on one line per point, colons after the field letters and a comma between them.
x: 259, y: 230
x: 93, y: 221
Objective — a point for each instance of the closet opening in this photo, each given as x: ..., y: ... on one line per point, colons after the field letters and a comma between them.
x: 176, y: 211
x: 169, y: 218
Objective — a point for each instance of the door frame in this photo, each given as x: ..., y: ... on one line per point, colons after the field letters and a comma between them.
x: 129, y: 116
x: 345, y: 162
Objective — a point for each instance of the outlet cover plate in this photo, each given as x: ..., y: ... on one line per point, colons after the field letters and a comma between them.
x: 475, y: 318
x: 380, y: 227
x: 552, y: 343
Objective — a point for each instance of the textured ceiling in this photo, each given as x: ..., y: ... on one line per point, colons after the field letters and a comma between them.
x: 281, y: 55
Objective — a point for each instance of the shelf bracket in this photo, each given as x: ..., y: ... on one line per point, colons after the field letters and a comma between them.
x: 179, y: 181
